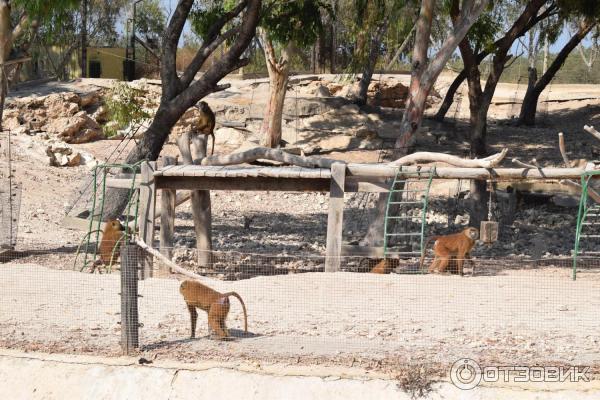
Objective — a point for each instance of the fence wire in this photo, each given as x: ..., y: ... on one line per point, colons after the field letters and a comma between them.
x: 503, y: 311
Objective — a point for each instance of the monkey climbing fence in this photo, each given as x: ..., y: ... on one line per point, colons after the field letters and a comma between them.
x: 406, y: 213
x: 96, y: 212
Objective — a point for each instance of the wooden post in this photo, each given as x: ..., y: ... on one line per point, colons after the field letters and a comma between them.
x: 130, y: 259
x: 201, y: 208
x: 167, y: 216
x: 335, y: 219
x: 146, y: 212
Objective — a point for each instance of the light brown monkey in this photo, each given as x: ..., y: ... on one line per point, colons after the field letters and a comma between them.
x: 216, y: 305
x: 111, y: 240
x: 451, y: 250
x: 385, y: 266
x: 206, y: 122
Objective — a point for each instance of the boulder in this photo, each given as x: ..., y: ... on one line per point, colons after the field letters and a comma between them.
x: 61, y: 155
x: 80, y: 128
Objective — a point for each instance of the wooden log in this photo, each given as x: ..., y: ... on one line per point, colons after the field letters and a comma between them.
x: 167, y: 218
x: 590, y: 129
x: 514, y: 174
x: 201, y: 209
x: 335, y: 218
x: 563, y: 149
x: 180, y: 198
x: 423, y: 156
x: 146, y: 211
x: 268, y: 154
x: 130, y: 258
x: 591, y: 192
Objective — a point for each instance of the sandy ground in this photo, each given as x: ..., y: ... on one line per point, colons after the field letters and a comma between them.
x: 518, y: 316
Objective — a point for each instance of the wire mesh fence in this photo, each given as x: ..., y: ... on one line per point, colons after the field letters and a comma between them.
x: 503, y: 311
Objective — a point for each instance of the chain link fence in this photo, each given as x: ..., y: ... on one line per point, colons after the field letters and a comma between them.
x: 502, y: 312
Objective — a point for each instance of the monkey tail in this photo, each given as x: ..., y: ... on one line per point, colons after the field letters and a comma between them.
x: 212, y: 151
x: 427, y: 241
x: 234, y: 294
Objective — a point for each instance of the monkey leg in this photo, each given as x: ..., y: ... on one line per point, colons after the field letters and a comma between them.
x: 434, y: 266
x: 443, y: 263
x: 193, y: 318
x: 217, y: 316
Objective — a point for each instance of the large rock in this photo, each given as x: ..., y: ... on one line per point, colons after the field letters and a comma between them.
x: 387, y: 94
x: 61, y: 105
x: 61, y: 155
x: 80, y: 128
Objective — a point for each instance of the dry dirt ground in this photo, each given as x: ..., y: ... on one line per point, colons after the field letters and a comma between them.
x: 533, y: 315
x: 522, y: 317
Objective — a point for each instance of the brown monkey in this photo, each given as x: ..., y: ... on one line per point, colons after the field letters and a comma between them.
x: 385, y: 266
x: 111, y: 240
x: 206, y: 122
x: 216, y: 305
x: 451, y: 250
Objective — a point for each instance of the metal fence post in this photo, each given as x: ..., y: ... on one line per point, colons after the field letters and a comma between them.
x: 130, y: 259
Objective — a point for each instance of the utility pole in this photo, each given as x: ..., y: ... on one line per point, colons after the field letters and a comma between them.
x: 84, y: 12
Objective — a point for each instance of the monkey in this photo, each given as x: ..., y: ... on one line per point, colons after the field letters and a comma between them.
x: 451, y: 250
x: 111, y: 236
x: 206, y: 122
x: 216, y: 305
x: 385, y: 266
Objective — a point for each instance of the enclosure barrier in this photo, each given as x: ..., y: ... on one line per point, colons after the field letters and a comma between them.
x: 511, y: 311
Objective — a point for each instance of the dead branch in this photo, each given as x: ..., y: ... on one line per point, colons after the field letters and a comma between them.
x: 268, y: 154
x: 488, y: 162
x: 524, y: 165
x: 590, y: 129
x: 563, y: 150
x: 174, y: 267
x: 591, y: 192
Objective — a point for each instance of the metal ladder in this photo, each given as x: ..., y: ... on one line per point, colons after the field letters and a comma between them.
x: 406, y: 213
x: 588, y: 224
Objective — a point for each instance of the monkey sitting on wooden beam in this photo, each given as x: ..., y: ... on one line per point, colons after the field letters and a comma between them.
x: 216, y: 305
x: 450, y: 250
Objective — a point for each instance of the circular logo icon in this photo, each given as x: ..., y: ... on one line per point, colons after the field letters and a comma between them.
x: 465, y: 374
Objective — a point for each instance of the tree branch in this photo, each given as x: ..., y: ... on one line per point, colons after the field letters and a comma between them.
x: 171, y: 83
x: 213, y: 40
x: 488, y: 162
x: 268, y: 154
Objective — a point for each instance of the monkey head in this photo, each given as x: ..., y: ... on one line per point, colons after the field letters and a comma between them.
x: 472, y: 233
x: 203, y: 106
x: 115, y: 225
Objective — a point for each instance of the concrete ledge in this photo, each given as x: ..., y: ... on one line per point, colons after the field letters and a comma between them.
x: 45, y: 376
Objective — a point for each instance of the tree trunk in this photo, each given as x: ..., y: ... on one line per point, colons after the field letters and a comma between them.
x: 369, y: 67
x: 278, y: 80
x: 449, y: 97
x: 529, y: 107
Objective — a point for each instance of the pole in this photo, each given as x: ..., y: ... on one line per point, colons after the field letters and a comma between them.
x: 84, y: 12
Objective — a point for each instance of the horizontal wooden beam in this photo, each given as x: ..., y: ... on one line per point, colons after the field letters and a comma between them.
x: 361, y: 171
x: 247, y: 183
x: 123, y: 183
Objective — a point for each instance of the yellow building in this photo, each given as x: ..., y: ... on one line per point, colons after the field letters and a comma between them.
x: 102, y: 62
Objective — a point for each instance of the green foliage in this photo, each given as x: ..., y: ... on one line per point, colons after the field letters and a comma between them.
x: 205, y: 15
x: 124, y: 107
x: 42, y: 9
x: 297, y: 21
x: 150, y: 19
